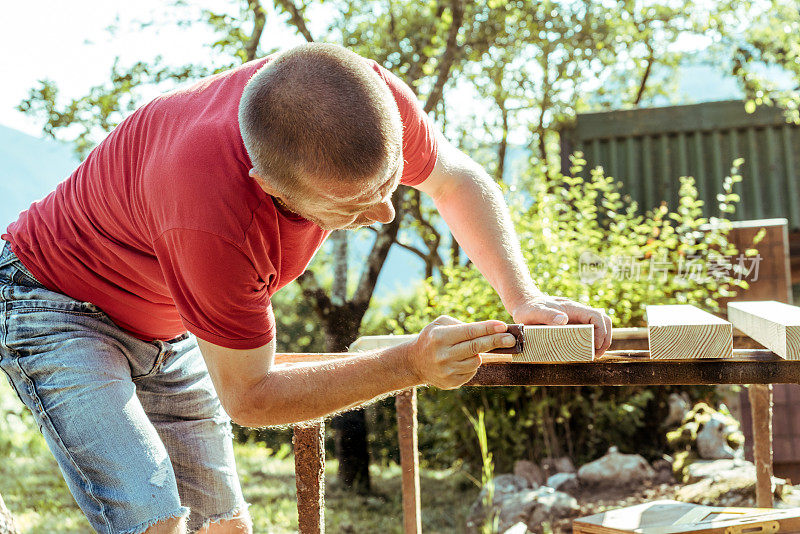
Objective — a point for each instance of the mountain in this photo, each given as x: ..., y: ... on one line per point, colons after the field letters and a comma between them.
x: 30, y: 167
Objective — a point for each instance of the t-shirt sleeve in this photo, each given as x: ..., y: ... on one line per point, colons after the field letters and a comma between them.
x: 219, y: 295
x: 419, y: 139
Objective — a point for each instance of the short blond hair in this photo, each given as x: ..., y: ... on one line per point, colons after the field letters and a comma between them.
x: 319, y: 110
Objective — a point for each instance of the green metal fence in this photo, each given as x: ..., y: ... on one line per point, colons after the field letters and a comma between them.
x: 648, y: 149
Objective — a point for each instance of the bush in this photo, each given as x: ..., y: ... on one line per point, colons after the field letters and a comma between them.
x: 584, y: 240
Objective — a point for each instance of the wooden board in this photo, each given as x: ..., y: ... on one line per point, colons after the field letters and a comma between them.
x: 673, y: 517
x: 773, y: 324
x: 682, y: 331
x: 551, y: 344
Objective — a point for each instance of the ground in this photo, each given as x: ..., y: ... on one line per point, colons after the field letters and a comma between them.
x: 37, y: 495
x: 31, y: 484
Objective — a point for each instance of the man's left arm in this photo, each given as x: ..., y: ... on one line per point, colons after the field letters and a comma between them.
x: 473, y: 208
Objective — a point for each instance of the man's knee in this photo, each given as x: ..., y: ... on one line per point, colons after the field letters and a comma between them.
x: 173, y: 525
x: 241, y: 524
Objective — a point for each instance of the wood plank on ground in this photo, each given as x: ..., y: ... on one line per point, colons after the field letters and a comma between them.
x: 773, y: 324
x: 682, y: 331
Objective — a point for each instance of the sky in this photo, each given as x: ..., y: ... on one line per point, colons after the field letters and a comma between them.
x: 69, y: 43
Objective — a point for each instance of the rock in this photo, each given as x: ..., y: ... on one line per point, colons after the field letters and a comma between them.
x: 700, y: 469
x: 790, y: 497
x: 530, y: 472
x: 531, y: 507
x: 504, y: 486
x: 736, y: 488
x: 551, y: 506
x: 518, y: 528
x: 731, y: 487
x: 7, y: 524
x: 566, y: 482
x: 712, y: 439
x: 663, y: 470
x: 562, y: 464
x: 616, y: 469
x: 678, y: 408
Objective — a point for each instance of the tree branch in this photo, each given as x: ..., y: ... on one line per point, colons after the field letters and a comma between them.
x: 422, y: 254
x: 258, y: 28
x: 645, y: 76
x: 387, y: 235
x: 296, y: 17
x: 448, y: 57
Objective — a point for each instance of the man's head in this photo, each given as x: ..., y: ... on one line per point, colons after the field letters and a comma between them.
x: 324, y: 135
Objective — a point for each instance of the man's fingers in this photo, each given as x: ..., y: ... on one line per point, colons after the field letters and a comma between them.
x: 544, y: 314
x: 469, y: 348
x: 609, y: 333
x: 456, y: 333
x: 457, y: 381
x: 466, y: 366
x: 446, y: 320
x: 586, y: 315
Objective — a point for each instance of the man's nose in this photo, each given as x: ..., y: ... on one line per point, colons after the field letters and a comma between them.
x: 382, y: 213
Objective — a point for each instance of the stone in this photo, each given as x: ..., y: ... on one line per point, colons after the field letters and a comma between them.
x: 551, y: 506
x: 712, y: 439
x: 504, y: 486
x: 563, y: 464
x: 528, y: 506
x: 700, y: 469
x: 678, y: 408
x: 790, y: 497
x: 566, y: 482
x: 518, y: 528
x: 731, y: 487
x: 530, y: 472
x: 507, y: 483
x: 616, y: 469
x: 7, y: 524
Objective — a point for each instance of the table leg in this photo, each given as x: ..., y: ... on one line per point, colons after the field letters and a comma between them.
x: 309, y: 468
x: 406, y: 406
x: 761, y: 408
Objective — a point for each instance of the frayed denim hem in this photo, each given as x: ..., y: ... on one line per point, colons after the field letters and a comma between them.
x: 236, y: 512
x: 139, y: 529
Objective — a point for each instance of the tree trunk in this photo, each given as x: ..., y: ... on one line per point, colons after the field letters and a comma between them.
x: 350, y: 428
x: 7, y: 525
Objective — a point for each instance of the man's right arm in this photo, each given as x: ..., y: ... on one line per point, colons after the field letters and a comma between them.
x: 255, y: 393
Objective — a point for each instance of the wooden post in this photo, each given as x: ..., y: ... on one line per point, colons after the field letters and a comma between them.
x: 761, y: 408
x: 406, y: 406
x: 309, y: 468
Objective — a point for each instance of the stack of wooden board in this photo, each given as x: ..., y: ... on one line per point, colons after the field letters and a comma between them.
x: 773, y: 324
x: 682, y: 331
x: 673, y: 517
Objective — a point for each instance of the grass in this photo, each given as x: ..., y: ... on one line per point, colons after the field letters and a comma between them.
x: 34, y: 491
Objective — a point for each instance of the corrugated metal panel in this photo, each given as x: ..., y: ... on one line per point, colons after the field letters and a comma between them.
x: 648, y: 149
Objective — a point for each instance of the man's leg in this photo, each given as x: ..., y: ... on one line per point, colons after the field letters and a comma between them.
x: 181, y: 402
x: 68, y: 363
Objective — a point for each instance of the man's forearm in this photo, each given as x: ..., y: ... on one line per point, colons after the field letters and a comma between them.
x: 478, y: 217
x: 292, y: 394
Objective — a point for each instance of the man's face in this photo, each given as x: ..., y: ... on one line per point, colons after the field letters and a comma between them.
x: 338, y: 206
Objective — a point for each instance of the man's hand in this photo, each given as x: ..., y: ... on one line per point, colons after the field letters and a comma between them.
x: 445, y: 354
x: 544, y: 309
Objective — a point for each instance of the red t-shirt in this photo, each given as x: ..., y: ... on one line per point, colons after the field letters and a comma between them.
x: 163, y: 229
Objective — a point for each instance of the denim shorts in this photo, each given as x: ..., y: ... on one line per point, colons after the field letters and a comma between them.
x: 136, y: 426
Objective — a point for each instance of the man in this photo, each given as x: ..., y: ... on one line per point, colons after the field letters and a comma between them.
x: 187, y: 218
